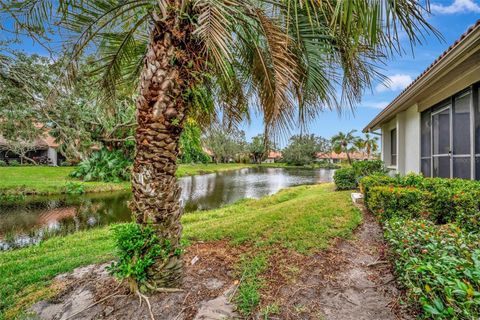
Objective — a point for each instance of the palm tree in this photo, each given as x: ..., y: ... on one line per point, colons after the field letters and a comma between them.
x: 344, y: 142
x: 201, y: 58
x: 371, y: 144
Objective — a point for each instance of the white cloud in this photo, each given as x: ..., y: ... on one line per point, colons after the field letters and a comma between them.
x: 375, y: 105
x: 394, y: 82
x: 457, y: 6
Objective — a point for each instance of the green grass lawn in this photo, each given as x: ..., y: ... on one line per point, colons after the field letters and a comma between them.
x: 52, y: 180
x: 304, y: 218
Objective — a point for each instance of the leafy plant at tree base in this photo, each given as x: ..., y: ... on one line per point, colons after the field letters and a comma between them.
x: 138, y: 248
x: 104, y: 165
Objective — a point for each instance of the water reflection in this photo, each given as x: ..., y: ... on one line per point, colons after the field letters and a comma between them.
x: 42, y: 217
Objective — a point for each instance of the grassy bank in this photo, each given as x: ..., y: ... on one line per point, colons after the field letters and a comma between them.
x: 304, y: 219
x: 44, y: 180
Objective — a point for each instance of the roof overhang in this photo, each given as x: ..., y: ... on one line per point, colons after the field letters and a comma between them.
x: 466, y: 49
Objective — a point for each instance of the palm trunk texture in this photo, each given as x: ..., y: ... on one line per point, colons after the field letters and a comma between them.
x: 161, y: 110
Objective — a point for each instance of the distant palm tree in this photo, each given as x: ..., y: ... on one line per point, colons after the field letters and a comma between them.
x: 344, y: 142
x: 203, y: 58
x: 371, y: 144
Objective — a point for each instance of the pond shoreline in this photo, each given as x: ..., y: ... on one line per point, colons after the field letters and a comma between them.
x: 16, y: 183
x: 289, y: 220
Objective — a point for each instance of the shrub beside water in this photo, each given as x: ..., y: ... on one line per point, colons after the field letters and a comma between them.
x: 104, y: 165
x: 348, y: 178
x: 345, y: 179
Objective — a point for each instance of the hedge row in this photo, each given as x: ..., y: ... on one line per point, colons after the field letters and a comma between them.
x: 439, y: 265
x: 436, y: 199
x: 432, y: 226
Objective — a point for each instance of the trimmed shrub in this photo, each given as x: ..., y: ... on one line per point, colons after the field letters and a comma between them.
x: 388, y: 201
x: 438, y: 265
x: 375, y: 180
x: 368, y: 167
x: 345, y: 179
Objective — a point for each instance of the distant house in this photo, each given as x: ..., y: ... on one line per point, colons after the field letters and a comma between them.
x: 273, y: 156
x: 334, y: 157
x: 433, y: 126
x: 45, y: 151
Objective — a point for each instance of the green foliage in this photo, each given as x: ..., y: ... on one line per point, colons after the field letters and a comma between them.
x: 225, y: 143
x: 248, y: 293
x: 368, y: 167
x: 137, y: 248
x: 439, y: 265
x: 348, y: 178
x: 303, y: 149
x: 258, y: 148
x: 13, y: 163
x: 443, y: 200
x: 345, y: 179
x: 11, y: 198
x: 388, y: 201
x: 74, y: 188
x: 104, y: 165
x: 190, y: 145
x: 3, y: 163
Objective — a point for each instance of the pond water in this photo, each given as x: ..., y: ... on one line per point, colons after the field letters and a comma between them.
x: 41, y: 217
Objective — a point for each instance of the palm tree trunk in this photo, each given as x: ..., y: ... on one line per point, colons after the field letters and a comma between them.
x: 161, y: 109
x: 348, y: 157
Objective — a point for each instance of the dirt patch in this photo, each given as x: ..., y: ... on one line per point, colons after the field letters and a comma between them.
x: 352, y: 280
x: 208, y: 286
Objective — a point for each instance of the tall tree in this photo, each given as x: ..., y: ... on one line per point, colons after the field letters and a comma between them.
x: 344, y: 142
x: 303, y: 149
x: 258, y: 148
x: 288, y: 55
x: 371, y: 144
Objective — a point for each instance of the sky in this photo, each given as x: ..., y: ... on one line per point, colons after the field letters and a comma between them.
x: 451, y: 17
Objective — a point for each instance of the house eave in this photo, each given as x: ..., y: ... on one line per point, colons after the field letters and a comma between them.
x: 464, y: 48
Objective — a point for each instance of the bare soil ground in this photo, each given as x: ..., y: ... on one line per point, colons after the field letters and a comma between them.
x: 352, y: 280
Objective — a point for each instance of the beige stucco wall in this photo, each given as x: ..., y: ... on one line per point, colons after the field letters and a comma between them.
x: 407, y: 124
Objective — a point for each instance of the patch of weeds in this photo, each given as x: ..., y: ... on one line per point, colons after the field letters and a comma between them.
x: 271, y: 309
x: 11, y: 198
x: 248, y: 293
x: 74, y: 188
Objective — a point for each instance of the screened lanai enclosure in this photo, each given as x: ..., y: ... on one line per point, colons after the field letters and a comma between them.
x: 450, y: 137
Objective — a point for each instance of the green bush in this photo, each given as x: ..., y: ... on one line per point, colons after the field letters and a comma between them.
x: 368, y: 167
x: 74, y: 188
x: 388, y: 201
x: 439, y: 266
x: 138, y: 247
x: 445, y: 200
x: 104, y: 165
x: 348, y: 178
x: 13, y: 163
x: 2, y: 163
x: 375, y: 180
x: 345, y: 179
